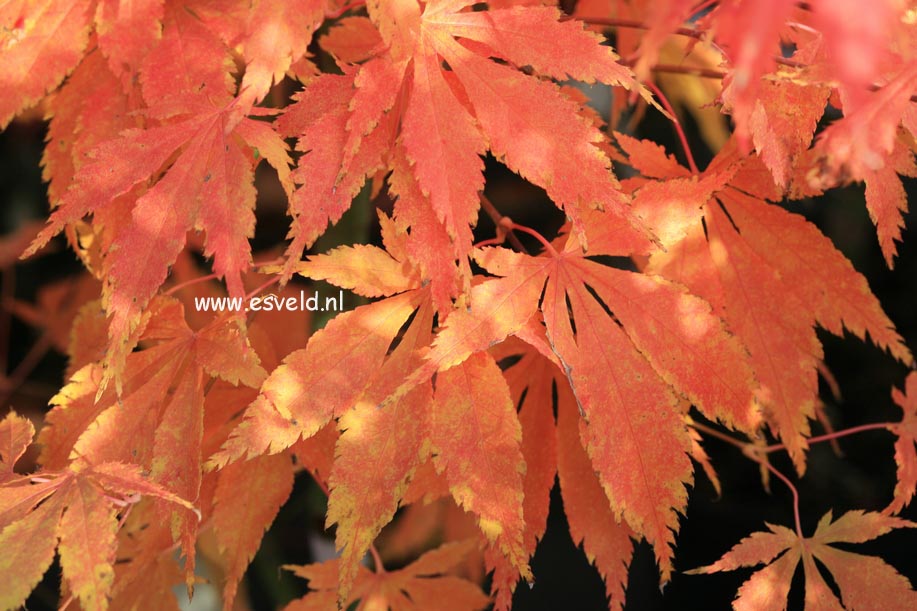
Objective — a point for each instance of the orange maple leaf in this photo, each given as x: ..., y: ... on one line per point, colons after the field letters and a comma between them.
x: 420, y: 585
x: 68, y: 510
x: 40, y: 42
x: 141, y: 427
x: 737, y: 253
x: 449, y: 118
x: 604, y: 538
x: 195, y: 169
x: 247, y: 498
x: 864, y: 582
x: 905, y: 452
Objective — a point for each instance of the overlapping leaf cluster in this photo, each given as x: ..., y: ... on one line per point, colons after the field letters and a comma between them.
x: 478, y: 389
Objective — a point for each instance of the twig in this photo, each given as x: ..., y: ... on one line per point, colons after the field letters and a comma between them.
x: 377, y: 559
x: 496, y: 217
x: 694, y: 70
x: 26, y: 366
x: 783, y: 478
x: 678, y: 129
x: 751, y: 452
x: 260, y: 288
x: 836, y: 434
x: 697, y: 34
x: 533, y: 233
x: 633, y: 24
x: 207, y: 277
x: 703, y: 428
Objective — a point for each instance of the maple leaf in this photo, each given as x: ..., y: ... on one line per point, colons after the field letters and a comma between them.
x: 127, y: 31
x: 886, y: 199
x: 16, y: 434
x: 320, y: 381
x: 438, y: 396
x: 352, y: 40
x: 71, y: 507
x: 378, y: 452
x: 838, y: 158
x: 87, y: 533
x: 743, y: 251
x: 420, y: 585
x: 437, y: 257
x: 247, y: 498
x: 367, y: 270
x: 41, y: 42
x: 662, y: 18
x: 202, y: 171
x: 852, y: 51
x: 477, y: 438
x: 605, y: 540
x: 172, y: 362
x: 846, y: 155
x: 158, y: 420
x: 905, y: 453
x: 449, y: 118
x: 298, y: 398
x: 278, y: 33
x: 318, y: 119
x: 782, y: 123
x: 864, y: 582
x: 57, y: 305
x: 610, y: 376
x: 623, y: 346
x: 207, y: 184
x: 750, y: 34
x: 91, y: 96
x: 701, y: 457
x: 531, y: 382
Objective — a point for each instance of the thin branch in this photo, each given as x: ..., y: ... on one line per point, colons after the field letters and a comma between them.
x: 377, y: 559
x: 703, y: 428
x: 687, y: 32
x: 783, y: 478
x: 697, y: 34
x: 875, y: 426
x: 497, y: 218
x: 830, y: 380
x: 678, y: 129
x: 25, y: 367
x: 751, y: 452
x: 828, y: 426
x: 759, y: 455
x: 260, y: 288
x: 207, y: 277
x: 693, y: 70
x: 65, y: 603
x: 615, y: 22
x: 747, y: 447
x: 191, y: 282
x: 720, y: 74
x: 547, y: 245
